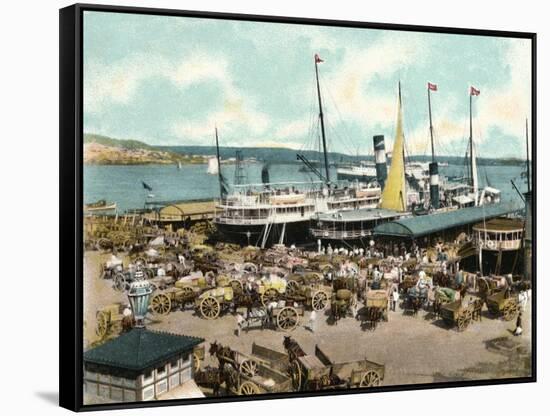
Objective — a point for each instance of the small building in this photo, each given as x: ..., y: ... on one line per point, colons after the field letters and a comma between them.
x: 140, y: 365
x: 499, y: 234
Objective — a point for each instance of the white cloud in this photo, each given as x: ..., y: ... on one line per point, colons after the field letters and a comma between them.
x: 507, y: 107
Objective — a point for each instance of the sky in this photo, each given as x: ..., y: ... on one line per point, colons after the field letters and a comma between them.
x: 171, y: 80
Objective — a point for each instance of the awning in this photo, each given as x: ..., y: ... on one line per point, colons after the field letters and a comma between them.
x: 421, y: 225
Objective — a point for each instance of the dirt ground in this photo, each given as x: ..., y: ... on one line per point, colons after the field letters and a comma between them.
x: 413, y: 349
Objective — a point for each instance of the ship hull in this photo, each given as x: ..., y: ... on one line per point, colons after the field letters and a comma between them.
x: 342, y: 176
x: 511, y: 262
x: 243, y: 234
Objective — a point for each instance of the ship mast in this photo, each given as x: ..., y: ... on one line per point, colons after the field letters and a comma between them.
x: 433, y: 167
x: 317, y: 61
x: 220, y: 177
x: 473, y: 164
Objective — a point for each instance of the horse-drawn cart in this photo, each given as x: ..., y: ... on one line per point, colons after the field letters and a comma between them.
x: 111, y: 318
x: 319, y: 372
x: 502, y: 303
x: 376, y: 306
x: 249, y: 374
x: 457, y: 314
x: 285, y: 316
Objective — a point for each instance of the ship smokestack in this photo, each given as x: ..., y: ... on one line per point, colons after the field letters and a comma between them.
x: 434, y: 185
x: 380, y: 158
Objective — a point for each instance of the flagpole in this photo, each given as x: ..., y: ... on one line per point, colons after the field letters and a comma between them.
x: 431, y: 126
x: 471, y: 143
x: 322, y: 120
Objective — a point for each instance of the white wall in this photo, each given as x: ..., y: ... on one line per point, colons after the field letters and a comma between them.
x: 28, y: 180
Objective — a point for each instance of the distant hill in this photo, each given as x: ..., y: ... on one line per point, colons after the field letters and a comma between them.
x: 285, y: 155
x: 109, y: 141
x: 102, y: 150
x: 117, y: 151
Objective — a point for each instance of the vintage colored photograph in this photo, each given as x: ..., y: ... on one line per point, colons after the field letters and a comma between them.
x: 274, y: 208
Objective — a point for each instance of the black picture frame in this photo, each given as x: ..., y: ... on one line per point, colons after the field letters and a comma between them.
x: 71, y: 199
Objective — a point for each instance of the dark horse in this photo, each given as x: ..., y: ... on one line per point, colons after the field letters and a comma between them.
x: 225, y: 355
x: 210, y: 377
x: 292, y: 348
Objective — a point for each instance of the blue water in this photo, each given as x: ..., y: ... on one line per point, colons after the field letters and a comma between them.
x: 122, y: 184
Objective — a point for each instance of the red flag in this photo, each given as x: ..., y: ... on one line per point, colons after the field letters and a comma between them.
x: 432, y: 87
x: 473, y: 91
x: 318, y: 59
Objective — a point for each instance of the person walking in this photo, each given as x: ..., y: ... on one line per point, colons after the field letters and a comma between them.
x: 240, y: 321
x: 518, y: 331
x: 311, y: 322
x: 394, y: 298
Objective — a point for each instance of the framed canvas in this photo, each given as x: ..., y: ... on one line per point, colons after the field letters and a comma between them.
x: 257, y: 207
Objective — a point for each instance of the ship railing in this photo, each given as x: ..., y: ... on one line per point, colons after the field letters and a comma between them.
x: 496, y: 245
x: 339, y: 234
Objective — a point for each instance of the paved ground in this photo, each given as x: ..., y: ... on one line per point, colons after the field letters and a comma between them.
x: 413, y: 349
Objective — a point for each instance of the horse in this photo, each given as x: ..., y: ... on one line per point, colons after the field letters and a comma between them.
x: 292, y: 348
x: 210, y: 377
x: 225, y: 355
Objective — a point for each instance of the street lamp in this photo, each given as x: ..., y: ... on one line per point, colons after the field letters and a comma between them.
x: 139, y: 294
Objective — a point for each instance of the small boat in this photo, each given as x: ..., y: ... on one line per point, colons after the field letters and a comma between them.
x: 101, y: 205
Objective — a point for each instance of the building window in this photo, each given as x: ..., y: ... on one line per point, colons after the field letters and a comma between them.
x: 149, y: 393
x: 162, y: 387
x: 161, y: 370
x: 148, y: 377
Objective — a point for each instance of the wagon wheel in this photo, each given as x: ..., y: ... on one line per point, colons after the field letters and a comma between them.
x: 236, y: 285
x: 102, y: 324
x: 104, y: 244
x: 249, y: 368
x: 196, y: 362
x: 161, y: 304
x: 119, y: 282
x: 319, y: 301
x: 463, y: 320
x: 140, y: 261
x: 292, y: 287
x: 270, y: 295
x: 209, y: 307
x: 287, y: 318
x: 509, y: 311
x: 370, y: 379
x: 248, y: 388
x: 297, y: 375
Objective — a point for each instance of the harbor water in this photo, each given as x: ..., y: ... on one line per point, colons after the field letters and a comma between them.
x: 123, y: 184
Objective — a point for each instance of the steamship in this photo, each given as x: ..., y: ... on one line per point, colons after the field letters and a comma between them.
x: 267, y: 213
x: 405, y: 193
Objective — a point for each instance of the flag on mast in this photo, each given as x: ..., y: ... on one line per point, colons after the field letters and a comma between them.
x: 318, y: 59
x: 432, y: 87
x: 474, y: 91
